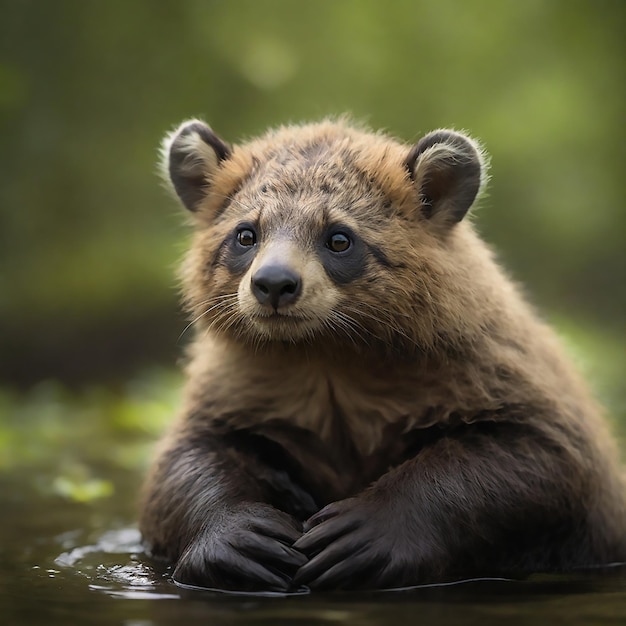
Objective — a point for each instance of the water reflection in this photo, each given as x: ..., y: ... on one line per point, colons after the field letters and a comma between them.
x: 105, y: 578
x: 115, y: 565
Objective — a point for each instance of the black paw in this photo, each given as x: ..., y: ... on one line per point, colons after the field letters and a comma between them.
x: 357, y: 544
x: 245, y: 550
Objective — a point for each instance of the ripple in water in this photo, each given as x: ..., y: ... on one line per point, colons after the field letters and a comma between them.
x: 116, y: 565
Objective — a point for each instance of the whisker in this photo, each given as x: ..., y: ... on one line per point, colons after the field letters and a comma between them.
x: 222, y: 300
x: 225, y: 319
x: 385, y: 321
x: 340, y: 321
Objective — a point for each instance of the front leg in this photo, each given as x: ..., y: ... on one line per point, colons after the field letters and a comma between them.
x: 482, y: 502
x: 211, y: 506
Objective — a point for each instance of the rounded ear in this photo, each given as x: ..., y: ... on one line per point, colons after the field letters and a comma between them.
x: 449, y: 170
x: 189, y: 158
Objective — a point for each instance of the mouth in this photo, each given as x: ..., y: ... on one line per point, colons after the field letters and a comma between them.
x: 283, y: 327
x: 280, y: 318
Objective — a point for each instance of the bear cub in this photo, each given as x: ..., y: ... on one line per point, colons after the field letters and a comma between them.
x: 370, y: 402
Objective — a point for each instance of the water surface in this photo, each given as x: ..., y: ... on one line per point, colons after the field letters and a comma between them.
x: 84, y: 565
x: 70, y: 552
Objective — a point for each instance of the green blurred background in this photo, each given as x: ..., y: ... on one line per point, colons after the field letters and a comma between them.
x: 89, y: 240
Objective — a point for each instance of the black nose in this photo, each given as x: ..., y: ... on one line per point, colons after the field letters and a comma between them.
x: 276, y: 285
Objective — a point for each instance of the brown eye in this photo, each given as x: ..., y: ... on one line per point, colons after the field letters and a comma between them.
x: 246, y: 237
x: 338, y: 242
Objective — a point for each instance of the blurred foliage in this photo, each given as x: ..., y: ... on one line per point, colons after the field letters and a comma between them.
x: 77, y: 441
x: 89, y: 240
x: 601, y: 357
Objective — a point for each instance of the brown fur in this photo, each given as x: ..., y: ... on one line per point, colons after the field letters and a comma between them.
x: 415, y: 422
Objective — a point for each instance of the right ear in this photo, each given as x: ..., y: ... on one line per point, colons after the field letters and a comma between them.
x: 190, y: 157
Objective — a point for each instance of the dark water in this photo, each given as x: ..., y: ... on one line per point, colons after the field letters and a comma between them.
x: 70, y: 555
x: 73, y: 563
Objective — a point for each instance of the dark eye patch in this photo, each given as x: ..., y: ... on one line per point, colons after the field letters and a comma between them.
x: 239, y: 248
x: 346, y: 265
x: 382, y: 258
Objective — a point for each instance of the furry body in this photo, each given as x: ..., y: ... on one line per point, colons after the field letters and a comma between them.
x: 370, y: 402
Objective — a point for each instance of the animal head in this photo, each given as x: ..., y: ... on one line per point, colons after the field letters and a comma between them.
x: 322, y: 232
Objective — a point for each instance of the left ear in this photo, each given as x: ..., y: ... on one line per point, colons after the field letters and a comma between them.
x: 449, y: 170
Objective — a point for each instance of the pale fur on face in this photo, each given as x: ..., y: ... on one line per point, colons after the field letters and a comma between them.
x: 314, y: 309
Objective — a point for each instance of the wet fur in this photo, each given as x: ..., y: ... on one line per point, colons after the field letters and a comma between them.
x: 408, y: 420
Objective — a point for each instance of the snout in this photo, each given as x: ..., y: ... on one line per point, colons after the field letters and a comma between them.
x: 276, y: 285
